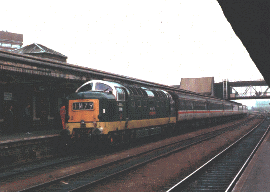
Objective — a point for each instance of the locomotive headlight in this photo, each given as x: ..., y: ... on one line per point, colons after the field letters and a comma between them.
x: 101, y: 130
x: 83, y: 125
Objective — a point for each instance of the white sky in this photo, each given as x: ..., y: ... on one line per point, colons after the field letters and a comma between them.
x: 158, y: 41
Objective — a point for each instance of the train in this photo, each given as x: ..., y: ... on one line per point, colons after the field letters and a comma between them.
x: 112, y: 111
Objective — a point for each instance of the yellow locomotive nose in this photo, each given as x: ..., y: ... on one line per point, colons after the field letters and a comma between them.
x: 84, y: 115
x: 83, y: 111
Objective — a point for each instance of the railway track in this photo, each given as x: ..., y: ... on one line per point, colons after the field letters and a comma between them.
x: 91, y: 176
x: 222, y: 171
x: 34, y: 167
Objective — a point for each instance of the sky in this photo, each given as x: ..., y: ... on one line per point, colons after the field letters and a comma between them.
x: 159, y: 41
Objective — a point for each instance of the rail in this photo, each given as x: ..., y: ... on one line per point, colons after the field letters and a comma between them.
x: 207, y: 176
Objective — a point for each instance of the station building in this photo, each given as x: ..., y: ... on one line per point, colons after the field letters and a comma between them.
x: 35, y: 75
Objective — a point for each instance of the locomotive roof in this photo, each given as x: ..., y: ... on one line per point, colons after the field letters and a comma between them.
x: 91, y: 95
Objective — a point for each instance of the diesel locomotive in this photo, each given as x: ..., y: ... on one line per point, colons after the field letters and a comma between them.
x: 111, y: 111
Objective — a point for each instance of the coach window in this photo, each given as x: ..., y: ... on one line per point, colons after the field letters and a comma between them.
x: 221, y: 107
x: 199, y: 105
x: 103, y: 87
x: 182, y: 105
x: 227, y: 107
x: 189, y: 105
x: 235, y: 107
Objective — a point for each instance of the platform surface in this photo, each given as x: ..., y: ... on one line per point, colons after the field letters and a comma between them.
x: 4, y: 138
x: 256, y: 176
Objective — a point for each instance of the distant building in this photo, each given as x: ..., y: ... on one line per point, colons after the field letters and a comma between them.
x: 204, y: 85
x: 10, y: 41
x: 39, y: 50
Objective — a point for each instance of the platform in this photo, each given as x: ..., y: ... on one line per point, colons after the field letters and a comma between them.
x: 23, y: 136
x: 257, y: 173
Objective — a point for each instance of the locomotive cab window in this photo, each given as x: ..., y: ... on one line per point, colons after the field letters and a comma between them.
x: 103, y: 87
x: 87, y: 87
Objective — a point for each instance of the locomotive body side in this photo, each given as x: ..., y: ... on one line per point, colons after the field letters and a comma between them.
x: 122, y: 109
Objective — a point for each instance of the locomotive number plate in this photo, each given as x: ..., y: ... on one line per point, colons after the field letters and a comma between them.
x: 83, y: 106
